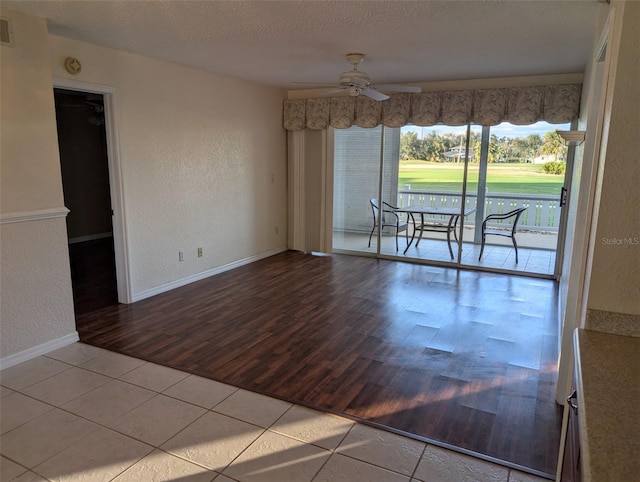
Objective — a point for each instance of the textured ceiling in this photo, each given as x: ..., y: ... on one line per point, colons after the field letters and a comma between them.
x: 279, y: 42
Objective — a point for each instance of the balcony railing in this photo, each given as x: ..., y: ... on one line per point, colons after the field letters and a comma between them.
x: 542, y: 214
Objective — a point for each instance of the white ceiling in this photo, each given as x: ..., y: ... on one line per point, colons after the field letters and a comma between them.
x: 278, y: 42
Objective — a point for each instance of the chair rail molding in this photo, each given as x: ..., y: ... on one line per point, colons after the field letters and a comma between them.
x: 33, y: 215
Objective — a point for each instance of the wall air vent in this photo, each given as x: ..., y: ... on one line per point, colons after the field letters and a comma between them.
x: 6, y: 34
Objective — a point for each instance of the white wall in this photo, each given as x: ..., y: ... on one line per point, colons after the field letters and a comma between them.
x: 615, y: 272
x: 36, y: 301
x: 203, y: 161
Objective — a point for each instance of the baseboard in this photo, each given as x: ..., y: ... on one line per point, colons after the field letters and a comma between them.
x: 204, y: 274
x: 38, y: 350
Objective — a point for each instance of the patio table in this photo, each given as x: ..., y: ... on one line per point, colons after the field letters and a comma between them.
x: 422, y: 226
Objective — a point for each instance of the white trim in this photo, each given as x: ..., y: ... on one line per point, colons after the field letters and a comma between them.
x: 328, y: 173
x: 116, y: 182
x: 89, y: 237
x: 35, y: 215
x: 38, y: 350
x: 204, y: 274
x: 587, y: 205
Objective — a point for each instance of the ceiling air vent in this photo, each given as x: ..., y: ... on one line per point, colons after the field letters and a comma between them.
x: 6, y: 34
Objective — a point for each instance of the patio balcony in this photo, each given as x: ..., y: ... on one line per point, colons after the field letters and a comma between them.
x: 542, y: 214
x: 537, y: 232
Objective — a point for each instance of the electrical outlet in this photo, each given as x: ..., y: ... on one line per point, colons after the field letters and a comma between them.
x: 277, y: 230
x: 180, y: 255
x: 199, y: 252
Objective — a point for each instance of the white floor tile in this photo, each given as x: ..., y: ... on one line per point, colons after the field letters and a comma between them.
x: 253, y: 408
x: 45, y: 436
x: 31, y: 372
x: 312, y: 426
x: 16, y: 409
x: 77, y: 353
x: 223, y: 478
x: 517, y: 476
x: 99, y: 457
x: 447, y: 466
x: 29, y: 477
x: 113, y: 364
x: 154, y: 377
x: 161, y: 466
x: 4, y: 391
x: 9, y: 470
x: 157, y: 420
x: 276, y: 458
x: 109, y: 402
x: 345, y: 469
x: 213, y: 440
x: 385, y: 449
x: 200, y: 391
x: 66, y: 386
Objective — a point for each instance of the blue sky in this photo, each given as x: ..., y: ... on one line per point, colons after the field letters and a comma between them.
x: 503, y: 130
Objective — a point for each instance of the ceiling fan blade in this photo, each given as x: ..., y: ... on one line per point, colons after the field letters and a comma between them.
x: 330, y: 92
x: 374, y: 94
x: 315, y: 84
x: 359, y: 82
x: 398, y: 88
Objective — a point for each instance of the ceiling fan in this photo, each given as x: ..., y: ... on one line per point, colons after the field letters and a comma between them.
x: 356, y: 82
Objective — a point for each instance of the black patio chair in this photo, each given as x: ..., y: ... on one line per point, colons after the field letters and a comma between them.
x: 509, y: 233
x: 389, y: 219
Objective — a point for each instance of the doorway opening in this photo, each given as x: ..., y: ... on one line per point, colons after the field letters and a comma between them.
x: 82, y: 141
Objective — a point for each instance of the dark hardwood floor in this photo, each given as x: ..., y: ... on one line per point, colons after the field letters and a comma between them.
x: 462, y: 358
x: 93, y: 275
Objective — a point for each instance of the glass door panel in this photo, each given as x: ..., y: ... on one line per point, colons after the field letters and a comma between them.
x: 525, y: 168
x: 430, y: 186
x: 357, y: 171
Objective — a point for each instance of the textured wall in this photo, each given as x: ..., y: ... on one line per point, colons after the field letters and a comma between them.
x: 35, y: 283
x: 37, y: 304
x: 615, y: 276
x: 203, y: 161
x: 29, y: 148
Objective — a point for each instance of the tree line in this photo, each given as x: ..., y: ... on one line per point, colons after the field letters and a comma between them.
x: 449, y: 147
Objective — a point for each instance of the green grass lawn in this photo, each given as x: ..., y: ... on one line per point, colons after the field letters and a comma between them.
x: 502, y: 178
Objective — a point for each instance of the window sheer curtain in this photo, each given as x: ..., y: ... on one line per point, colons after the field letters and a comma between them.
x: 556, y: 104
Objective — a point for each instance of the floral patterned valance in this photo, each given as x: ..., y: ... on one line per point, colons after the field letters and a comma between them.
x: 555, y: 104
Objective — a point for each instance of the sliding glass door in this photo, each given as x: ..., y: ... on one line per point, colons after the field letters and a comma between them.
x: 423, y: 193
x: 525, y: 170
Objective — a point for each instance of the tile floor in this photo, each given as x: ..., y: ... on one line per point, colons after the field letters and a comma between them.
x: 84, y: 413
x: 536, y: 252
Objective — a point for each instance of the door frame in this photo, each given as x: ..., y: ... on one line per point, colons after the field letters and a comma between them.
x: 572, y: 306
x: 118, y: 220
